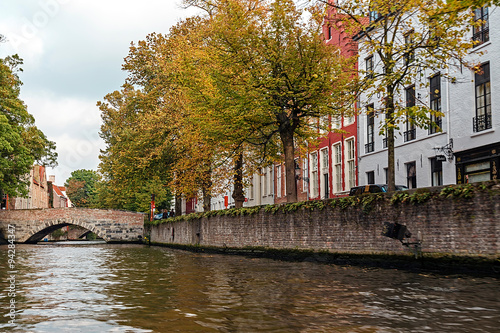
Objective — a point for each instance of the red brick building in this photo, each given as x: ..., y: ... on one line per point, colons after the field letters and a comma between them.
x: 330, y: 168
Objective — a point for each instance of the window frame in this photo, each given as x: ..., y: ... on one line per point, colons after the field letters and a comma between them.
x: 481, y: 31
x: 370, y: 129
x: 337, y: 167
x: 369, y: 67
x: 435, y: 102
x: 410, y: 133
x: 411, y: 175
x: 436, y: 172
x: 482, y: 120
x: 351, y: 162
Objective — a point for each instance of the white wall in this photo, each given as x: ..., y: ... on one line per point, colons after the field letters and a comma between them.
x: 458, y: 105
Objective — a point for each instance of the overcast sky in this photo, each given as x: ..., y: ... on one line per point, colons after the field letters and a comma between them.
x: 73, y: 51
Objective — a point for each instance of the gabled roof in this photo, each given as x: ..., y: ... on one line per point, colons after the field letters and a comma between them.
x: 58, y: 190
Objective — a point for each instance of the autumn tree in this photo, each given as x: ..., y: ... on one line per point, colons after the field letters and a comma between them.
x: 277, y: 70
x: 405, y: 39
x: 175, y: 148
x: 136, y: 156
x: 21, y: 143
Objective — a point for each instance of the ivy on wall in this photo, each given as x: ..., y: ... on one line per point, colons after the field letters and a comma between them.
x: 365, y: 201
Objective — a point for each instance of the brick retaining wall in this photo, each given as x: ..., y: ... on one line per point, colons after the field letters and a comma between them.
x: 455, y: 226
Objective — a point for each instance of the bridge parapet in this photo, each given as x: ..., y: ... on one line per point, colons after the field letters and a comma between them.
x: 31, y: 225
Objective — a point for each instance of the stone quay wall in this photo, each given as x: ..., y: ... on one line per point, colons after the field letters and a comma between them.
x: 31, y: 225
x: 462, y: 221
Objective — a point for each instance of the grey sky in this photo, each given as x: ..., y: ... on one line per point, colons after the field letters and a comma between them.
x: 73, y: 51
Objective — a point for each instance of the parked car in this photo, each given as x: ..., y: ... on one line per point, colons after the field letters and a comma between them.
x: 373, y: 188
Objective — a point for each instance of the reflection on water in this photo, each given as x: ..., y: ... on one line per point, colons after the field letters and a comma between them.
x: 133, y: 288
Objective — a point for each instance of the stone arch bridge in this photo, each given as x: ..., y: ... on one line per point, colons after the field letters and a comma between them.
x: 32, y: 225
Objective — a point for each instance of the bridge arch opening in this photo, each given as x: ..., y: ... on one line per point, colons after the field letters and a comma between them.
x: 45, y: 230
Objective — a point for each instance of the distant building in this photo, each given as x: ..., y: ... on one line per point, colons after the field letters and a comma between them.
x: 38, y: 195
x: 58, y: 197
x: 41, y: 193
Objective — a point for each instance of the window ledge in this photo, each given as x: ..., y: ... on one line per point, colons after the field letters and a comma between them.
x: 480, y: 47
x: 490, y: 130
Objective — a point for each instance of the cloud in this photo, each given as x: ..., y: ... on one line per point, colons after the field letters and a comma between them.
x: 75, y: 154
x: 73, y: 51
x: 58, y: 114
x: 73, y: 124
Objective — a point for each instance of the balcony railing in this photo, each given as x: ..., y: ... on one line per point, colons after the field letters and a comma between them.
x: 481, y: 123
x: 410, y: 134
x: 482, y: 35
x: 369, y: 147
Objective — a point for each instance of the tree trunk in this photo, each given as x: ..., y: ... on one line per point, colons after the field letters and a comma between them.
x: 238, y: 194
x: 178, y: 205
x: 207, y: 189
x: 289, y: 152
x: 207, y: 198
x: 389, y: 109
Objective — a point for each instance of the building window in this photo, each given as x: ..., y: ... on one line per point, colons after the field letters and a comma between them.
x: 370, y: 177
x: 386, y: 175
x: 374, y: 16
x: 351, y: 165
x: 264, y: 183
x: 324, y: 171
x: 270, y: 183
x: 369, y: 67
x: 481, y: 29
x: 478, y: 172
x: 337, y: 165
x: 370, y: 129
x: 279, y: 189
x: 323, y: 124
x: 305, y: 174
x: 411, y: 131
x: 314, y: 175
x: 409, y: 55
x: 349, y: 120
x: 252, y: 189
x: 436, y: 172
x: 336, y: 122
x: 435, y: 99
x: 482, y: 121
x: 411, y: 175
x: 329, y: 32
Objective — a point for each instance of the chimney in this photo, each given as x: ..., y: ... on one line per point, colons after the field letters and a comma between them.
x: 52, y: 178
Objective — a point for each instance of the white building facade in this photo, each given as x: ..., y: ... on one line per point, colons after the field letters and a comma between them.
x: 467, y: 149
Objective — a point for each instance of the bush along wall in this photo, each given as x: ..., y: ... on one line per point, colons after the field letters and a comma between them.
x: 460, y: 221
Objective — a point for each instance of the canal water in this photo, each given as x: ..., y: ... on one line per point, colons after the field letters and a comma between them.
x: 134, y: 288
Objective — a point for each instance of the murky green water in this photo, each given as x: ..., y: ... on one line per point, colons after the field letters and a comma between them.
x: 133, y: 288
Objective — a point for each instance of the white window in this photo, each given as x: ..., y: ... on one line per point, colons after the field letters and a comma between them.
x: 337, y: 167
x: 264, y: 182
x: 252, y: 188
x: 305, y: 174
x: 270, y: 180
x: 349, y: 119
x: 314, y: 175
x: 323, y: 124
x: 325, y: 184
x: 278, y: 182
x: 351, y: 165
x: 336, y: 122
